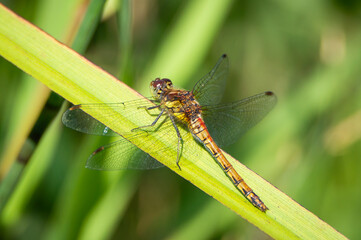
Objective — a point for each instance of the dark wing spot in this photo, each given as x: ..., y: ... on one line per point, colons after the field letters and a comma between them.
x: 75, y: 107
x: 98, y: 150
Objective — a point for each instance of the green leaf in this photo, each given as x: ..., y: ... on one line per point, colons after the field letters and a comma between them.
x: 76, y: 79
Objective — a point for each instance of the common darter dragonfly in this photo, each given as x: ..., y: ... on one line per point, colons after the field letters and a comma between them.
x: 211, y: 123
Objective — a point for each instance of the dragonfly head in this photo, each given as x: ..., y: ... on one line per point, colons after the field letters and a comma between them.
x: 159, y: 86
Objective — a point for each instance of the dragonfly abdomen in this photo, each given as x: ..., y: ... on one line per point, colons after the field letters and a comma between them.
x: 200, y: 131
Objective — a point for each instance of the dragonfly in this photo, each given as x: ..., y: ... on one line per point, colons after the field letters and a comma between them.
x: 200, y: 111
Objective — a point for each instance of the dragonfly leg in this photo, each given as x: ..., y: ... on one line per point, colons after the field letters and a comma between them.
x: 150, y: 125
x: 180, y: 140
x: 150, y: 108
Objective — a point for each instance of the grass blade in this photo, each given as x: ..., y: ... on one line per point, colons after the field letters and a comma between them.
x: 79, y: 81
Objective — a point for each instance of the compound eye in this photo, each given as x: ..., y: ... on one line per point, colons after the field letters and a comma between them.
x: 168, y: 82
x: 156, y: 83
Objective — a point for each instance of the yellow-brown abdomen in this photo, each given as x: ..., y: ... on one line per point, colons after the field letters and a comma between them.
x: 199, y: 129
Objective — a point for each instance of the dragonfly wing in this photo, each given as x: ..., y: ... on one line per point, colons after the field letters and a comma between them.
x: 226, y: 123
x: 75, y: 117
x: 115, y: 156
x: 119, y: 155
x: 209, y: 89
x: 123, y: 154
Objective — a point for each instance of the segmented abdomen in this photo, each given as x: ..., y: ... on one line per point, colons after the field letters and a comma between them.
x: 200, y: 131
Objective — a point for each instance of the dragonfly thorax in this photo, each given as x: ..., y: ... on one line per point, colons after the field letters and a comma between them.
x: 159, y: 86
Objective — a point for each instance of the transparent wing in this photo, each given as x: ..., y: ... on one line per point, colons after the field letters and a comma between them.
x: 227, y: 122
x: 75, y: 118
x: 123, y: 154
x: 80, y: 121
x: 209, y: 89
x: 119, y: 155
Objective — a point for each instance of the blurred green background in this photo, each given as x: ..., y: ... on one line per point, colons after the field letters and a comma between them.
x: 307, y: 52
